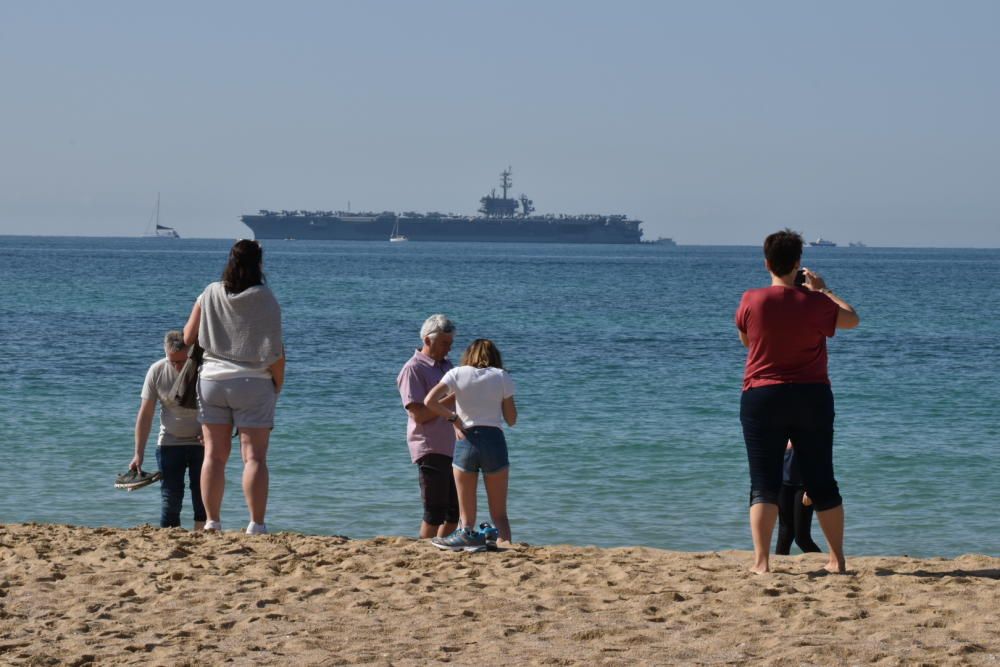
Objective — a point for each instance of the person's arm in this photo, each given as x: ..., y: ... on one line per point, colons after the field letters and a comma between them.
x: 435, y: 401
x: 278, y: 373
x: 847, y: 317
x: 509, y: 410
x: 741, y: 321
x: 193, y: 323
x: 143, y: 423
x: 423, y: 414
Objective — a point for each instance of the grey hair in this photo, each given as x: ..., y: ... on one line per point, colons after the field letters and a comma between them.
x: 173, y: 342
x: 434, y: 325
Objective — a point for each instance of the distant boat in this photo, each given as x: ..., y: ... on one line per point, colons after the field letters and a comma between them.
x: 857, y: 244
x: 155, y: 230
x: 664, y: 241
x: 822, y: 243
x: 395, y: 236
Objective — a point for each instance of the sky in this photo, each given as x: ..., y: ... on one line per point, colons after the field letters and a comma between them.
x: 712, y: 122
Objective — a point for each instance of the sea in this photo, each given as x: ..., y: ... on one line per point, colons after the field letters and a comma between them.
x: 626, y: 361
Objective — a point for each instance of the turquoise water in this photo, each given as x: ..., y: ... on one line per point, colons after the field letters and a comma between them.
x: 627, y: 364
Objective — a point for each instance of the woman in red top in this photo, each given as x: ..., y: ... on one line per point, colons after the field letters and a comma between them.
x: 786, y: 392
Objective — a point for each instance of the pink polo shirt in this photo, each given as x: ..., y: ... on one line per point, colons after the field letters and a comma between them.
x: 415, y: 381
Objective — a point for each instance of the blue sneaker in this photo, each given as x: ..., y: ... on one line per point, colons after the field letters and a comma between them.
x: 461, y: 540
x: 490, y: 535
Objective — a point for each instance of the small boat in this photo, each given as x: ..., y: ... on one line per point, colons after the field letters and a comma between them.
x: 661, y: 241
x: 857, y: 244
x: 154, y: 230
x: 822, y: 243
x: 395, y: 236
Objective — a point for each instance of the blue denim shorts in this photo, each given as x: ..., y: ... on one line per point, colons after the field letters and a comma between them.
x: 483, y: 448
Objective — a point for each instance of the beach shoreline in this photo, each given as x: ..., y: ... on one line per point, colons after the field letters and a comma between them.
x: 72, y: 595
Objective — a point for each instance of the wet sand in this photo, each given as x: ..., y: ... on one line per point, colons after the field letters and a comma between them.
x: 75, y: 596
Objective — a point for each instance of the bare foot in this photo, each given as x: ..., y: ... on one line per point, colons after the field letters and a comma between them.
x: 834, y: 567
x: 760, y: 568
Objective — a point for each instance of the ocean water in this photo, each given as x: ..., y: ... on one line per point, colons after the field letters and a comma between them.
x: 628, y: 372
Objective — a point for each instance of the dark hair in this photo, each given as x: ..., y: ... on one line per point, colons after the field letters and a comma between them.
x: 782, y: 250
x: 482, y: 353
x: 243, y: 268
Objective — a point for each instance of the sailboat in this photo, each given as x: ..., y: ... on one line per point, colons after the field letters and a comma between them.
x: 157, y: 231
x: 395, y: 236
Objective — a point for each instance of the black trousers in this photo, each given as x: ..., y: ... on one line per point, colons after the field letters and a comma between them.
x: 794, y: 522
x: 803, y: 413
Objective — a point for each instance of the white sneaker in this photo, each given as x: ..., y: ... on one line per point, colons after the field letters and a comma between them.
x: 256, y: 529
x: 213, y: 527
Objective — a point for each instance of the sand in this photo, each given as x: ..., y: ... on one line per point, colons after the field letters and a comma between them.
x: 71, y: 595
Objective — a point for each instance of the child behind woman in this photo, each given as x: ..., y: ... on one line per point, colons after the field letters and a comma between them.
x: 484, y: 399
x: 795, y: 512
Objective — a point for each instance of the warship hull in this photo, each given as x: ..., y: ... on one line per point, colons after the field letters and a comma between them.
x: 347, y: 227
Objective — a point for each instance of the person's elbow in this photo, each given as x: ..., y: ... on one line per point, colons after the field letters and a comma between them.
x: 848, y: 319
x: 147, y: 410
x: 509, y: 410
x: 419, y: 412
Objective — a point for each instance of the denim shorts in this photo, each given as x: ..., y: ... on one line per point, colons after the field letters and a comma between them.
x: 242, y: 402
x: 483, y: 448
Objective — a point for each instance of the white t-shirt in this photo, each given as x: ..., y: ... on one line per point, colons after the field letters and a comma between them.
x: 479, y: 394
x: 217, y: 368
x: 178, y: 426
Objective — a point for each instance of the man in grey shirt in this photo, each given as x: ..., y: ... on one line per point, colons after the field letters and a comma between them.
x: 179, y: 448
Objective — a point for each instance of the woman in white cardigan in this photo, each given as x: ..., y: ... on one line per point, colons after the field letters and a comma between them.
x: 238, y: 323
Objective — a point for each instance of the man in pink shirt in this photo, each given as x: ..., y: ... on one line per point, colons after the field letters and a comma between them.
x: 430, y: 438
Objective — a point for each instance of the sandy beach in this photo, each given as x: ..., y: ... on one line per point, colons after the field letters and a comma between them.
x: 75, y: 596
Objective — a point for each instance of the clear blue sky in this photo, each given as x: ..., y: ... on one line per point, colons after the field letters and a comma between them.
x: 714, y: 122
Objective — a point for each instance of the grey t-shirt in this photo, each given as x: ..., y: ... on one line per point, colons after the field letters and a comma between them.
x: 178, y: 426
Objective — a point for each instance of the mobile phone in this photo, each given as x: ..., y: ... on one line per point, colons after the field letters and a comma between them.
x: 800, y: 277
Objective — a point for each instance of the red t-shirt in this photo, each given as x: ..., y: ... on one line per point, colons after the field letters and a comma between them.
x: 787, y: 328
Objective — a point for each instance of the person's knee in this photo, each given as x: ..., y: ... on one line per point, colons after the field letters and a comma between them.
x: 435, y: 515
x: 825, y: 498
x: 215, y: 461
x: 170, y: 507
x: 255, y: 461
x: 254, y: 451
x: 768, y: 496
x: 172, y: 490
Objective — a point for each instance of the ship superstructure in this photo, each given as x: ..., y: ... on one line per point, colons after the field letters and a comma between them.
x: 501, y: 218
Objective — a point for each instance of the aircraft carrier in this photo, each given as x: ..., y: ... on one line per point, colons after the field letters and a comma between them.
x: 501, y: 218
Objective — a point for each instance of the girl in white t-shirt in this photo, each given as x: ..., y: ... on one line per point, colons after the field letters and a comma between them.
x: 484, y: 399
